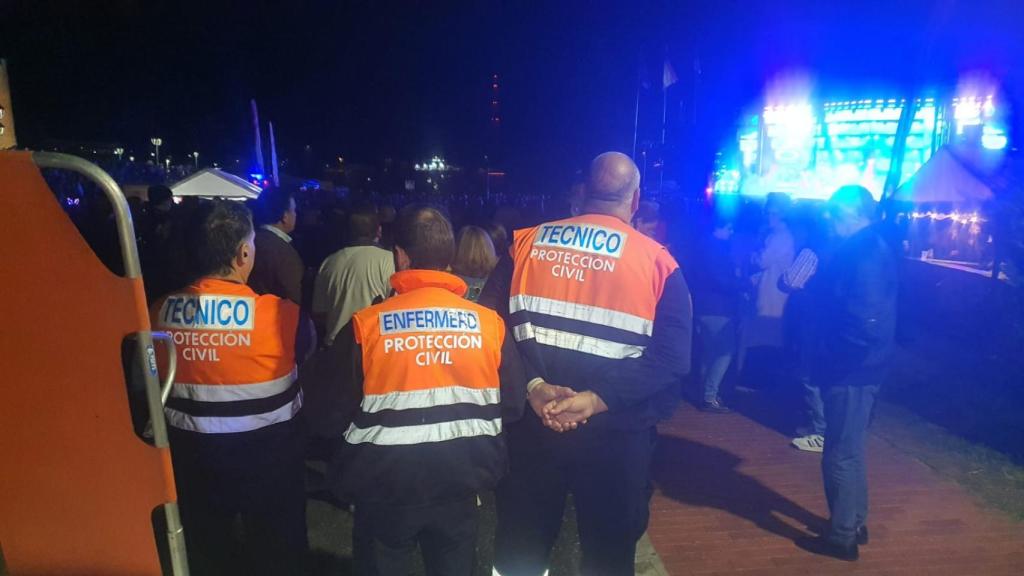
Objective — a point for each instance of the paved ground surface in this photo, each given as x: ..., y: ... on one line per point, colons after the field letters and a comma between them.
x: 732, y: 496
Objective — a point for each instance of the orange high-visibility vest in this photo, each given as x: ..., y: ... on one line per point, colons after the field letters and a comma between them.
x: 236, y: 357
x: 589, y: 284
x: 430, y: 364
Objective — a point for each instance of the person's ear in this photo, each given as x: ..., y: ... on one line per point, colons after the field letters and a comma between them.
x: 379, y: 232
x: 402, y: 260
x: 635, y: 204
x: 244, y: 255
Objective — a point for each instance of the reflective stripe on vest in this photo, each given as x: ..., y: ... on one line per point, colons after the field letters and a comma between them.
x: 427, y: 398
x: 231, y: 424
x: 583, y: 312
x: 590, y: 284
x: 430, y: 365
x: 423, y: 433
x: 577, y: 342
x: 236, y: 358
x: 234, y: 392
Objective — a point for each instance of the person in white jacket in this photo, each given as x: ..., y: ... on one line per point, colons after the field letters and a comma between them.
x: 774, y: 259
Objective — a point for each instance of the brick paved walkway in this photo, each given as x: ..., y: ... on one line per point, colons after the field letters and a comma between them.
x: 731, y: 496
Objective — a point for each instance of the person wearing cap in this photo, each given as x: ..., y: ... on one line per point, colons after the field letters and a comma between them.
x: 598, y: 308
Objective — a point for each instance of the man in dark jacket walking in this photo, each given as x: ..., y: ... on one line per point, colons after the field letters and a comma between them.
x: 858, y: 320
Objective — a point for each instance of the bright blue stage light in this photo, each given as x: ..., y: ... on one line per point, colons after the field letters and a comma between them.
x: 993, y: 138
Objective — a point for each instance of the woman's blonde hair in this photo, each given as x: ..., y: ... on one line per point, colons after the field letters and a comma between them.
x: 474, y: 253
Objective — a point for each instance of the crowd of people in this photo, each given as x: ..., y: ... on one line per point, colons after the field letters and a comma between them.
x: 432, y: 353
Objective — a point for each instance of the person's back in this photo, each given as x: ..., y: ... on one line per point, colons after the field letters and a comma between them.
x: 715, y: 283
x: 857, y: 304
x: 352, y: 278
x: 774, y: 259
x: 434, y: 379
x: 433, y: 341
x: 475, y: 258
x: 232, y: 407
x: 713, y: 275
x: 601, y: 314
x: 857, y: 324
x: 279, y: 269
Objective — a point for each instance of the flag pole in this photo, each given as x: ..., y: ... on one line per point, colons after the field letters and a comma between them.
x: 668, y: 78
x: 664, y: 126
x: 258, y: 143
x: 273, y: 154
x: 664, y: 113
x: 636, y: 120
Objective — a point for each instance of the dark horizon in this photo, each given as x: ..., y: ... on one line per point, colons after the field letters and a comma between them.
x: 369, y: 81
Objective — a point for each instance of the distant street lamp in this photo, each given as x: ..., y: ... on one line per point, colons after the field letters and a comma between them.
x: 195, y: 156
x: 167, y: 163
x: 156, y: 142
x: 118, y: 152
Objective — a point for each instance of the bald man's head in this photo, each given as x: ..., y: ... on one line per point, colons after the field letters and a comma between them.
x: 612, y: 184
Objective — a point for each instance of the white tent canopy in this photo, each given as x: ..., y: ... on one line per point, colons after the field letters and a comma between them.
x: 944, y: 178
x: 213, y: 183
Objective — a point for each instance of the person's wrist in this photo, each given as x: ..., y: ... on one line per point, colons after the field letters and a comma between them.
x: 596, y: 402
x: 532, y: 385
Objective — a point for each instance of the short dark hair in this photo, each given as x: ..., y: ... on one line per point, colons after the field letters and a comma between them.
x: 363, y: 225
x: 216, y: 230
x: 158, y: 194
x: 426, y: 236
x: 272, y: 205
x: 499, y: 237
x: 854, y: 199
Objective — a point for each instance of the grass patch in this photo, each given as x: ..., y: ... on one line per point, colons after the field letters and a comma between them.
x: 990, y: 476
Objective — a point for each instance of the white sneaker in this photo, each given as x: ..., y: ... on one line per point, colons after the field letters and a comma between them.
x: 809, y: 443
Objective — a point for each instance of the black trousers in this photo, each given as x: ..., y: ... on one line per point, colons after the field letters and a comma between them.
x: 608, y: 473
x: 386, y: 538
x: 257, y: 477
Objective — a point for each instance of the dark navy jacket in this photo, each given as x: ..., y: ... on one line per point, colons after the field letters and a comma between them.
x: 856, y: 309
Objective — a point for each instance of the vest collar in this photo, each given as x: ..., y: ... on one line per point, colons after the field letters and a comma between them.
x: 604, y: 220
x: 220, y: 285
x: 408, y: 280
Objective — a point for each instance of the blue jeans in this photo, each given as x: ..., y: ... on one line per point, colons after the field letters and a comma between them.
x: 814, y: 405
x: 847, y: 413
x: 718, y: 345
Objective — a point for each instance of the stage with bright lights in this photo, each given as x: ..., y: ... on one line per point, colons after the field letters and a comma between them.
x: 808, y: 150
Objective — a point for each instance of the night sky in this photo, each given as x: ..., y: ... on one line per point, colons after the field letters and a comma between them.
x: 407, y: 80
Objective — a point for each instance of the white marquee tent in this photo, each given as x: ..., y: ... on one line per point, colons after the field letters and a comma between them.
x: 944, y: 178
x: 213, y: 183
